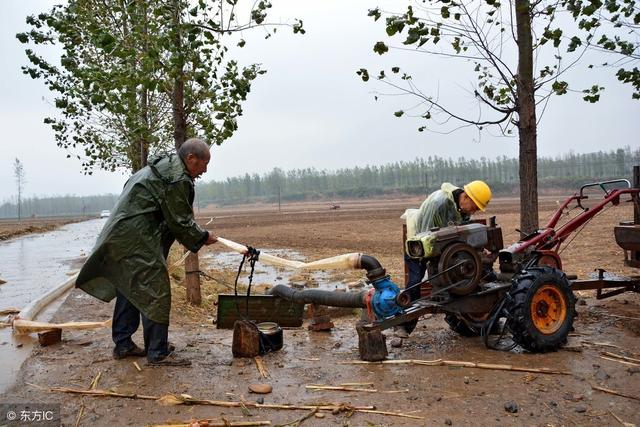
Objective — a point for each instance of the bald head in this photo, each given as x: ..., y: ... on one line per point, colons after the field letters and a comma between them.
x: 195, y: 146
x: 195, y: 155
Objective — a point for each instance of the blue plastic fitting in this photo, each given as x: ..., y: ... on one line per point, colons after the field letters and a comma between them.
x: 383, y: 301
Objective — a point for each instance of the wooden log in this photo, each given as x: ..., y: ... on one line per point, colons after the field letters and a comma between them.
x: 192, y: 279
x: 50, y: 337
x: 371, y: 345
x: 246, y: 339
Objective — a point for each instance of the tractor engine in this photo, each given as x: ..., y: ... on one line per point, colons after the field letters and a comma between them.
x: 459, y: 257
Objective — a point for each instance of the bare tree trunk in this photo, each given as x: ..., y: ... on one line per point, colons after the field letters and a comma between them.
x: 192, y: 264
x: 527, y: 120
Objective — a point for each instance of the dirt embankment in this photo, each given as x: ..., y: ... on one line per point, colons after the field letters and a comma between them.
x: 10, y: 228
x: 440, y: 395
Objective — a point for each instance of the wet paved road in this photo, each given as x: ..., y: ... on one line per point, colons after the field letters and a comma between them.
x: 32, y: 265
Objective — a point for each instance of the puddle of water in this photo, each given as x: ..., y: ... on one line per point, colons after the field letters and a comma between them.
x: 330, y: 280
x: 32, y: 265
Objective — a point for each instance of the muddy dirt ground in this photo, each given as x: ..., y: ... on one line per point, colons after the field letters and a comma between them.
x: 440, y: 395
x: 10, y: 228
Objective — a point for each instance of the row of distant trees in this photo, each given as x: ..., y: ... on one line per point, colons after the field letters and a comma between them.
x: 415, y: 177
x: 58, y: 206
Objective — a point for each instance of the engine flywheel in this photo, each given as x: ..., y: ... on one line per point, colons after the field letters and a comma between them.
x: 467, y: 274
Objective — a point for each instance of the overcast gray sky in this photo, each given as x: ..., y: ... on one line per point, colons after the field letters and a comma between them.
x: 310, y: 109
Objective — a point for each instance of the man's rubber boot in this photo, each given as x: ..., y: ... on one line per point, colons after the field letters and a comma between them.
x: 134, y: 351
x: 170, y: 360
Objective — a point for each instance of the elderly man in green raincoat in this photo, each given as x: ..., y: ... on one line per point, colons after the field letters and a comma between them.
x: 450, y: 205
x: 129, y: 260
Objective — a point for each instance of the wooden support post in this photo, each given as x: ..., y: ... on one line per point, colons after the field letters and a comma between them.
x: 246, y: 339
x: 192, y: 279
x: 371, y: 344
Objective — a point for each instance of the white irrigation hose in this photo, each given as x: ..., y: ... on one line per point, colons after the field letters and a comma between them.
x: 23, y: 323
x: 35, y: 306
x: 340, y: 262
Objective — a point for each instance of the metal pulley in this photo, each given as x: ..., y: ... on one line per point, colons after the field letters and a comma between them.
x: 466, y: 271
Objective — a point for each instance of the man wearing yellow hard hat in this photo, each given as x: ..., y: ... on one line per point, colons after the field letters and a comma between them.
x: 450, y: 205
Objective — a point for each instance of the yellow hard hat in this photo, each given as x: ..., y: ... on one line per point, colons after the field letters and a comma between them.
x: 479, y: 192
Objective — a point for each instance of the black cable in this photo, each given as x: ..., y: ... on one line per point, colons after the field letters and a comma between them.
x: 235, y: 286
x: 254, y: 254
x: 494, y: 316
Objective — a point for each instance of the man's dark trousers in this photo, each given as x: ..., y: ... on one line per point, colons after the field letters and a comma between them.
x: 417, y: 268
x: 126, y: 319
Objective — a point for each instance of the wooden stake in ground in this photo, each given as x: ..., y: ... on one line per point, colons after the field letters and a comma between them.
x: 192, y: 279
x: 461, y: 364
x: 371, y: 344
x: 246, y: 339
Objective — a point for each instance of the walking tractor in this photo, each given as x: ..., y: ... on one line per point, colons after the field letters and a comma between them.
x: 530, y: 292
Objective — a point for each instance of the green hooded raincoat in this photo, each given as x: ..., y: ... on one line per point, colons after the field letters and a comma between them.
x: 155, y: 208
x: 439, y: 210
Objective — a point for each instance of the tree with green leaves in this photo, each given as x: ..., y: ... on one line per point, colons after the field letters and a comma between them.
x: 611, y: 27
x: 18, y: 173
x: 138, y: 77
x: 520, y: 57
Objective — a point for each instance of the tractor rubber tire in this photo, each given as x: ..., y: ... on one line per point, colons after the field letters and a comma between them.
x: 459, y: 326
x: 541, y: 309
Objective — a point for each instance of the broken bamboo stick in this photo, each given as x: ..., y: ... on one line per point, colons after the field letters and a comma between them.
x: 623, y: 423
x: 92, y: 386
x: 22, y: 326
x: 261, y: 368
x: 211, y: 423
x: 619, y: 361
x: 620, y: 356
x: 459, y: 363
x: 614, y: 392
x: 601, y: 344
x: 339, y: 388
x: 185, y: 399
x: 619, y: 316
x: 346, y: 388
x: 297, y: 422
